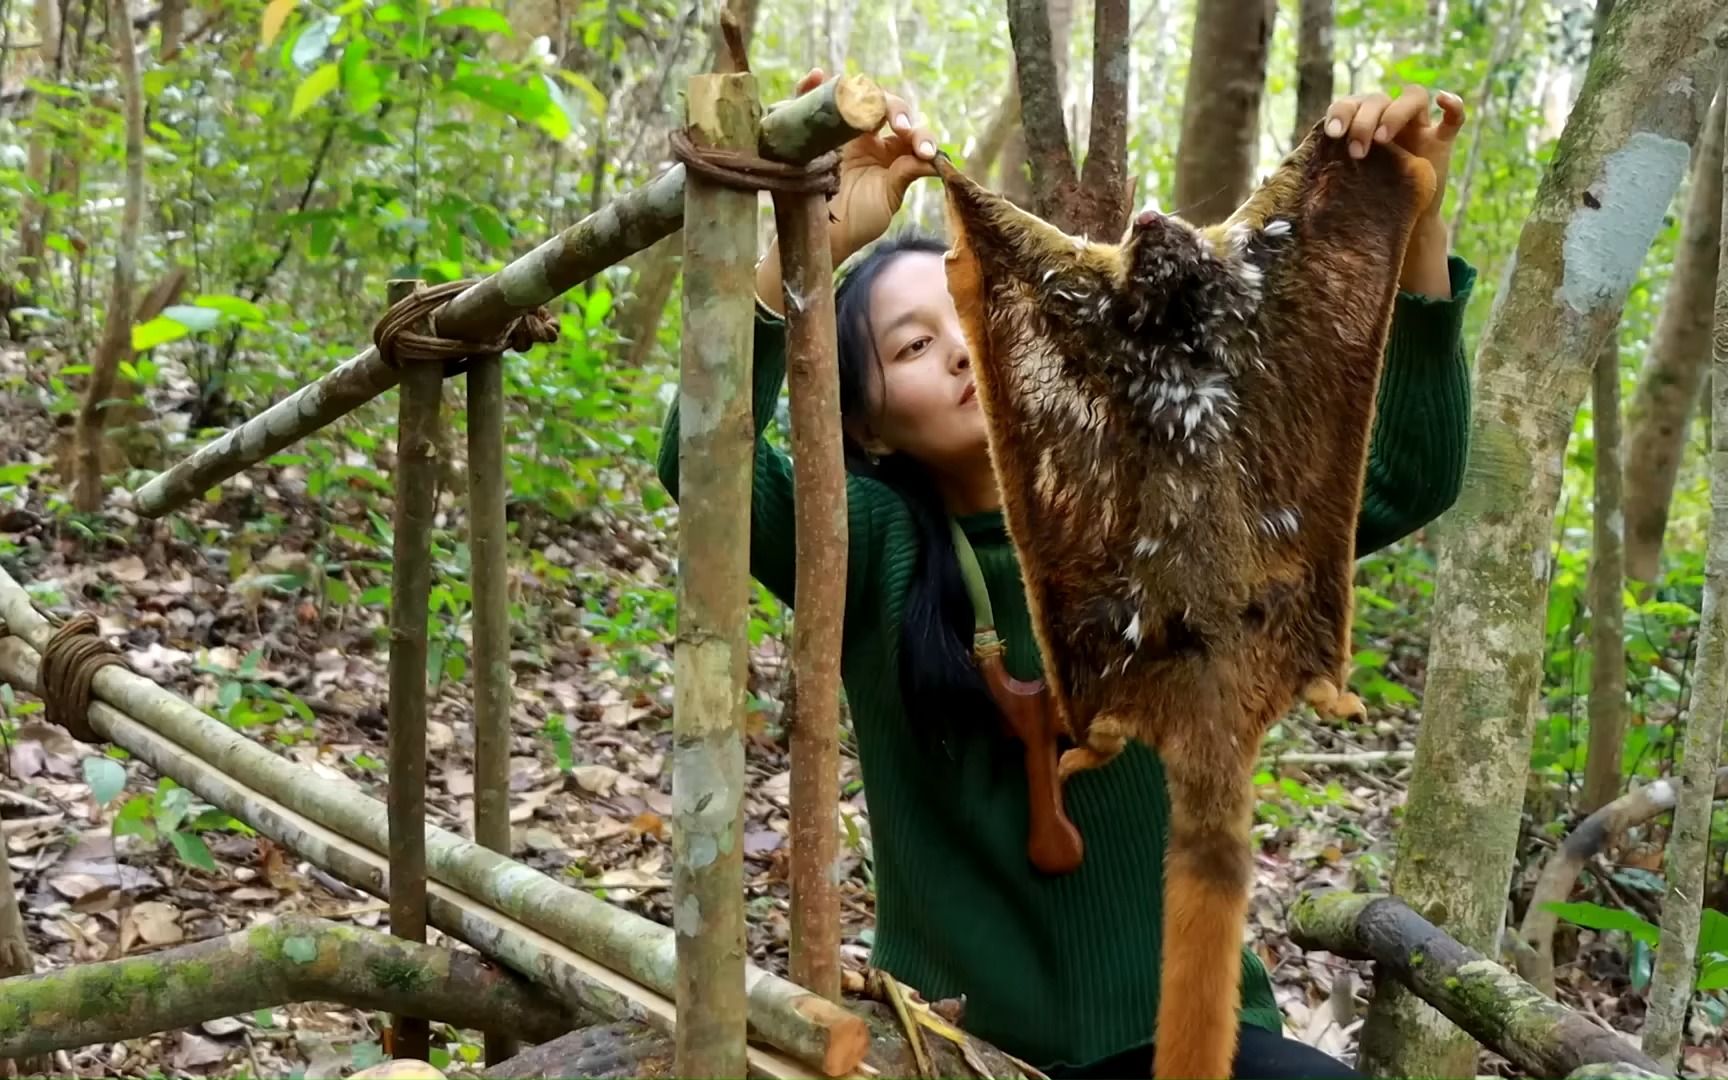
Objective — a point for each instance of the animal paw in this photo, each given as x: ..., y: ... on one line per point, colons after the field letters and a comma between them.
x: 1099, y: 751
x: 1328, y: 700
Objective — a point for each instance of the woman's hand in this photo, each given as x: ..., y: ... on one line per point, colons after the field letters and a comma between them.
x: 1406, y: 122
x: 875, y: 171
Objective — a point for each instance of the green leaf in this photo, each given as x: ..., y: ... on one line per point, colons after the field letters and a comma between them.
x: 314, y: 87
x: 232, y: 306
x: 481, y: 19
x: 157, y: 331
x: 192, y: 851
x: 360, y: 79
x: 106, y: 777
x: 490, y: 226
x: 193, y: 317
x: 323, y: 236
x: 1597, y: 917
x: 1714, y: 976
x: 1713, y: 933
x: 596, y: 100
x: 134, y: 819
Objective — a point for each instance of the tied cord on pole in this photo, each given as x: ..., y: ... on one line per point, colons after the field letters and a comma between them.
x: 396, y: 341
x: 748, y: 172
x: 69, y: 664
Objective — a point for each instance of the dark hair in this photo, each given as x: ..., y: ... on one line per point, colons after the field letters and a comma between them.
x: 939, y: 682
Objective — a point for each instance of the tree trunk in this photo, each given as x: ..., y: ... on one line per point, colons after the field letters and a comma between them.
x: 1218, y: 149
x: 1595, y: 214
x: 1688, y: 855
x: 1313, y: 66
x: 117, y: 326
x: 711, y: 652
x: 33, y: 222
x: 1607, y: 583
x: 15, y: 957
x: 1662, y: 406
x: 173, y: 28
x: 1497, y: 1008
x: 284, y: 961
x: 1505, y: 43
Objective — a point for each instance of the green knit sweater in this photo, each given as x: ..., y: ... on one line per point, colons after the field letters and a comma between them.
x: 1060, y: 971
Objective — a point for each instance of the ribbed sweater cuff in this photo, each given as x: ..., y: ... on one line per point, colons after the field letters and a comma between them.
x: 1428, y: 328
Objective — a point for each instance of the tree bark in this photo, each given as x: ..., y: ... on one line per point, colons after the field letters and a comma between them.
x: 1607, y: 585
x: 15, y: 956
x: 1661, y: 410
x: 117, y: 325
x: 1598, y: 832
x: 1594, y: 217
x: 419, y: 401
x: 1688, y: 855
x: 796, y: 131
x: 33, y: 221
x: 819, y: 480
x: 1497, y: 1008
x: 592, y: 954
x: 286, y: 960
x: 173, y: 28
x: 1216, y: 155
x: 1313, y: 66
x: 711, y: 651
x: 1104, y: 177
x: 488, y: 547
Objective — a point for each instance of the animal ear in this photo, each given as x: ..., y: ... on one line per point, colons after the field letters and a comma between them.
x: 988, y: 227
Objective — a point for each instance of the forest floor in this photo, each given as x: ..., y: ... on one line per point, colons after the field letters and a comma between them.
x: 219, y: 604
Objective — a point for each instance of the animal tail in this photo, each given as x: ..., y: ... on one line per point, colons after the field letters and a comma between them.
x: 1208, y: 875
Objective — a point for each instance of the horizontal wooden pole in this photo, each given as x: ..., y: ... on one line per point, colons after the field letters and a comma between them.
x: 795, y: 131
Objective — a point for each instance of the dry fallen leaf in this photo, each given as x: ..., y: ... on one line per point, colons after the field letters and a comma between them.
x: 197, y: 1052
x: 129, y: 569
x: 153, y: 923
x: 596, y: 779
x: 223, y: 1026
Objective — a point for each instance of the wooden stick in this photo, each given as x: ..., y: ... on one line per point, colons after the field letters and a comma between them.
x: 1494, y: 1006
x: 819, y: 479
x: 418, y: 404
x: 782, y: 1014
x: 711, y: 653
x: 580, y: 983
x: 796, y: 131
x: 487, y: 540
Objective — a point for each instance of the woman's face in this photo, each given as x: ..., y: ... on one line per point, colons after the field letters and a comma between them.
x: 926, y: 404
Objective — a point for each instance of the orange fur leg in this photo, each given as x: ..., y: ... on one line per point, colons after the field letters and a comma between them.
x: 1104, y: 740
x: 1328, y: 699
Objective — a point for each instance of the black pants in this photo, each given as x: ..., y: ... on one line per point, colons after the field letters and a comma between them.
x: 1260, y: 1055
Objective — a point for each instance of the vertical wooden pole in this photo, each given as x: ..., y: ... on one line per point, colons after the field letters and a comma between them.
x: 711, y: 650
x: 819, y: 476
x: 418, y: 400
x: 487, y: 551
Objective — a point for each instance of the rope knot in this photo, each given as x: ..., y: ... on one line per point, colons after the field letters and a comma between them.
x: 397, y: 341
x: 75, y: 653
x: 749, y: 172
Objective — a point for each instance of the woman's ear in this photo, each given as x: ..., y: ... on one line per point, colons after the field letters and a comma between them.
x: 861, y: 433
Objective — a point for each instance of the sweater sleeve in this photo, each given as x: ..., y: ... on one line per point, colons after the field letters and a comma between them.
x: 870, y: 506
x: 1420, y: 440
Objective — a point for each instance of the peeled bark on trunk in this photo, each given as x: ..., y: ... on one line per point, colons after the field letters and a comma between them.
x: 280, y: 962
x: 589, y: 953
x: 117, y: 326
x: 1594, y: 217
x: 819, y: 480
x: 712, y: 650
x: 1607, y: 585
x: 1219, y: 146
x: 1497, y: 1008
x: 1660, y: 414
x: 1313, y: 65
x: 796, y: 131
x: 1688, y: 855
x: 1595, y: 835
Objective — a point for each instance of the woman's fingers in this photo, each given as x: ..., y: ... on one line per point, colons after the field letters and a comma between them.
x: 899, y: 114
x: 1339, y: 114
x: 1451, y: 115
x: 1411, y: 107
x: 811, y: 80
x: 1364, y: 123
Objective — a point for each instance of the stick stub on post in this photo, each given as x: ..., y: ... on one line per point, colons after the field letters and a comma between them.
x: 418, y: 403
x: 712, y: 647
x: 819, y: 478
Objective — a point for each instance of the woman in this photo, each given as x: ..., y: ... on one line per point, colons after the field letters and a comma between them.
x: 1061, y: 971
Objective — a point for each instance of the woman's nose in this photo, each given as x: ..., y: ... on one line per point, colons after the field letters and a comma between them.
x: 960, y: 359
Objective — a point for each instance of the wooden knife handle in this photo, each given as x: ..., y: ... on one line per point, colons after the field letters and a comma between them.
x: 1052, y: 842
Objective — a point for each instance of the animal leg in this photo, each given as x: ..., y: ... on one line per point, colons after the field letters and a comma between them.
x: 1104, y: 740
x: 1329, y: 699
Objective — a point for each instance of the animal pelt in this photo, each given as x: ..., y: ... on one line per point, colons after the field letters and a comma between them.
x: 1179, y: 424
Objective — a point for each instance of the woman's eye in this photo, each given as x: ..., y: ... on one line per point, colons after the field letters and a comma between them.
x: 916, y: 346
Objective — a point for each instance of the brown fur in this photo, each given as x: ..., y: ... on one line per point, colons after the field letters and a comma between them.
x: 1180, y: 450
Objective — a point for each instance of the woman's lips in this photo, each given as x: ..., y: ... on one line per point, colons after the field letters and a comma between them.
x: 968, y: 394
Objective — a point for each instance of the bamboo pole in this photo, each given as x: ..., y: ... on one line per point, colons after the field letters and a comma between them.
x: 487, y: 549
x: 711, y: 652
x: 782, y: 1014
x: 795, y: 131
x: 418, y: 404
x: 574, y: 979
x: 819, y: 479
x: 1688, y: 854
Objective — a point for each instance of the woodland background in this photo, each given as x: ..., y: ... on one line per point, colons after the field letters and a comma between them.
x: 296, y: 155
